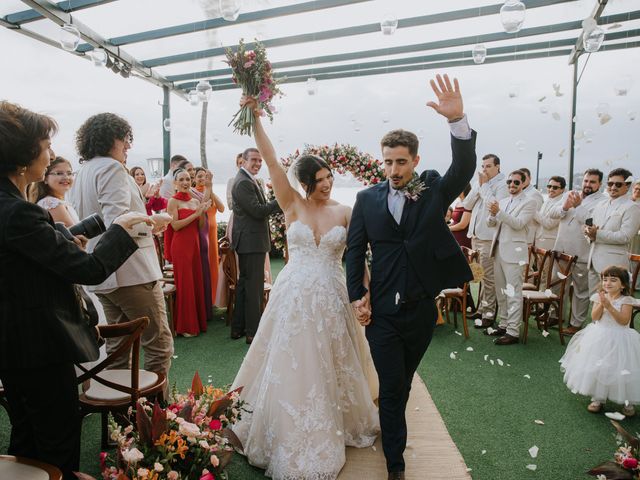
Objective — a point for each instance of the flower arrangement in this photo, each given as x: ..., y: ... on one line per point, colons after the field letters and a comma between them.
x: 625, y: 465
x: 342, y: 158
x: 414, y: 188
x: 190, y: 439
x: 252, y: 72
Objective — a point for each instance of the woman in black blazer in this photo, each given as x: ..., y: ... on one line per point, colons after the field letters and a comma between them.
x: 42, y: 328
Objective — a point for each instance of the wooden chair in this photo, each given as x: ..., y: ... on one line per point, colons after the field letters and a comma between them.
x: 116, y: 390
x: 533, y: 271
x: 634, y: 259
x: 169, y: 292
x: 458, y: 296
x: 556, y: 279
x: 230, y: 272
x: 26, y: 468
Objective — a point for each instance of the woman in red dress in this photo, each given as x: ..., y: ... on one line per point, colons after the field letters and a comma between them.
x: 187, y: 213
x: 460, y: 220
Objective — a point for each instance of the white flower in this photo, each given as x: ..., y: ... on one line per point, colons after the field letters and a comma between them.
x: 170, y: 415
x: 172, y: 475
x: 143, y: 473
x: 132, y: 456
x: 158, y: 467
x: 204, y: 444
x: 189, y: 429
x: 533, y: 451
x: 128, y: 429
x: 215, y: 461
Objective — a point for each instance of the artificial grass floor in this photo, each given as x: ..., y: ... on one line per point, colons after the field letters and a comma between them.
x: 485, y: 407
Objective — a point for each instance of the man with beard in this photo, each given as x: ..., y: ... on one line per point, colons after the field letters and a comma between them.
x: 573, y: 211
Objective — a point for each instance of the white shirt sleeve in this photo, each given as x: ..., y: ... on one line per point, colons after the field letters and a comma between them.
x: 461, y: 129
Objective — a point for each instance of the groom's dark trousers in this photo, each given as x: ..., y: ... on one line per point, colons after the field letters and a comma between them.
x: 412, y: 261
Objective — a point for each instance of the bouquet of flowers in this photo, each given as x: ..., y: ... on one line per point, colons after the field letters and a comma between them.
x: 252, y: 71
x: 189, y: 439
x: 625, y: 466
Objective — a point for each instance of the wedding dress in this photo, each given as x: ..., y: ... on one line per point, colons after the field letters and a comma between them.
x: 308, y: 376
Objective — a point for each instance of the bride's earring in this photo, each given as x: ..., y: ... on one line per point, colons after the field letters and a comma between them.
x: 23, y: 170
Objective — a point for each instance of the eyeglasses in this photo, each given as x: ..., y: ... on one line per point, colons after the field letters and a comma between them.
x: 615, y: 184
x: 63, y: 174
x: 515, y: 182
x: 554, y: 187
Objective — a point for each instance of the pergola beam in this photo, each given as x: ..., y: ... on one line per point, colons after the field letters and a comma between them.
x: 215, y: 23
x: 60, y: 17
x: 355, y: 30
x: 68, y: 6
x: 456, y: 42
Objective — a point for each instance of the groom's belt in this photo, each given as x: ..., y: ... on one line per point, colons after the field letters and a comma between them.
x: 409, y: 301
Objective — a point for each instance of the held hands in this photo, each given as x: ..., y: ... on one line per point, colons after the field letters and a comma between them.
x: 363, y: 310
x: 449, y: 99
x: 81, y: 241
x: 494, y: 208
x: 128, y: 220
x: 162, y: 221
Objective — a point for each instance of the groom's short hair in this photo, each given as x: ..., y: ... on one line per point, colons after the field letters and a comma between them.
x: 401, y: 138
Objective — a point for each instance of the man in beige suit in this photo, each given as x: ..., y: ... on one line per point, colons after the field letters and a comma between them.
x: 547, y: 227
x: 491, y: 186
x: 615, y: 222
x: 103, y: 186
x: 532, y: 192
x: 512, y: 216
x: 574, y: 209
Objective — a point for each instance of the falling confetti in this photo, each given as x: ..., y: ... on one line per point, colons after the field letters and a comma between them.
x: 615, y: 416
x: 469, y: 349
x: 541, y: 99
x: 486, y: 357
x: 561, y: 275
x: 518, y: 249
x: 526, y: 375
x: 492, y: 362
x: 556, y: 116
x: 556, y: 88
x: 545, y: 334
x: 484, y: 303
x: 561, y: 154
x: 522, y: 263
x: 500, y: 362
x: 548, y: 293
x: 538, y: 422
x: 478, y: 322
x: 533, y: 451
x: 175, y: 356
x: 452, y: 356
x: 458, y: 333
x: 605, y: 118
x: 483, y: 452
x: 532, y: 467
x: 373, y: 447
x: 509, y: 291
x: 490, y: 331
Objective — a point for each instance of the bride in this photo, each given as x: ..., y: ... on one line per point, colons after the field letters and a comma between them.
x: 308, y: 376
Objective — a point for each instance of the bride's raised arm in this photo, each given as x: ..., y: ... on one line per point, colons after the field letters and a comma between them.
x: 285, y: 193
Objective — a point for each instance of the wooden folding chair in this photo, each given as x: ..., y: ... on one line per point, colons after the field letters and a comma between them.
x: 556, y: 279
x: 458, y: 296
x: 116, y: 390
x: 539, y: 258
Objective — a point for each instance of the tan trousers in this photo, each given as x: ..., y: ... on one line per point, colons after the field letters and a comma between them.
x: 509, y: 307
x: 135, y: 301
x: 487, y: 300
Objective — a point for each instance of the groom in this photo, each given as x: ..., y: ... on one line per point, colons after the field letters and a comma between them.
x: 414, y: 257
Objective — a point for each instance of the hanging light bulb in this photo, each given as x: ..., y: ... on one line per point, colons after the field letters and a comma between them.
x: 623, y: 85
x: 512, y: 15
x: 69, y: 37
x: 230, y: 9
x: 166, y: 124
x: 312, y: 86
x: 593, y: 36
x: 194, y: 99
x: 479, y: 53
x: 98, y: 57
x: 389, y: 24
x: 204, y: 90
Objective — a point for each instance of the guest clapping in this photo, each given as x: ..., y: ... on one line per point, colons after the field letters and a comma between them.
x: 151, y: 192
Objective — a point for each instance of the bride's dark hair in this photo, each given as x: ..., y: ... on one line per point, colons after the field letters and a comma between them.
x: 306, y: 167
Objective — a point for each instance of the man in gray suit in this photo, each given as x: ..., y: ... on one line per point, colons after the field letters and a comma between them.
x: 573, y: 211
x: 512, y: 216
x: 251, y: 241
x: 615, y: 222
x: 491, y: 186
x: 103, y: 186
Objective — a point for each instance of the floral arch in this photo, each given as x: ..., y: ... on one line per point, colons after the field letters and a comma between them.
x: 342, y: 158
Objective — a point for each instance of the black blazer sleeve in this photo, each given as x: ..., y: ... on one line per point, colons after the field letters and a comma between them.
x: 461, y: 170
x: 357, y: 242
x: 29, y: 232
x: 246, y: 197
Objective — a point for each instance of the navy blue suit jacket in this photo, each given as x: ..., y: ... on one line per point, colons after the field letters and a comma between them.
x: 419, y: 257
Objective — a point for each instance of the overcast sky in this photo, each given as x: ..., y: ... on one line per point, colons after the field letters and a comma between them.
x: 70, y: 89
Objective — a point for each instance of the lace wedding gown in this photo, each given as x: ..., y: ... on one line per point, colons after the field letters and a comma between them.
x: 308, y: 376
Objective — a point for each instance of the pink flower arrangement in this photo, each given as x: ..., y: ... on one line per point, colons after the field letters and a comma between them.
x: 253, y: 73
x: 188, y: 440
x: 625, y: 465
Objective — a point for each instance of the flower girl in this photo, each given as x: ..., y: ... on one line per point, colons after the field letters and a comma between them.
x: 603, y: 360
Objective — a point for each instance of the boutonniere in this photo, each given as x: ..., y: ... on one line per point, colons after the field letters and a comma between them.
x: 414, y: 188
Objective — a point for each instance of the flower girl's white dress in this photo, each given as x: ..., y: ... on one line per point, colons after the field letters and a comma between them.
x: 308, y: 376
x: 602, y: 361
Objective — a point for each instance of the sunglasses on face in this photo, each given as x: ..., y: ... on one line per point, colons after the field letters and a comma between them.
x: 515, y: 182
x: 615, y: 184
x: 553, y: 187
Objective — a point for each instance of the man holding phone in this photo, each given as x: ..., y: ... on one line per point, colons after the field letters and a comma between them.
x: 574, y: 210
x: 615, y: 222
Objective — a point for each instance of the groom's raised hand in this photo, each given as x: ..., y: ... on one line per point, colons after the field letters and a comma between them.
x: 449, y: 98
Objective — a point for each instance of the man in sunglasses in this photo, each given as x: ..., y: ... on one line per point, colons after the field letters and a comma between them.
x: 573, y: 210
x: 615, y: 222
x: 547, y: 227
x: 512, y: 216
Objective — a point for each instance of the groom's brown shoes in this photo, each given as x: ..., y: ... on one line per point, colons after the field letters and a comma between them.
x: 396, y: 476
